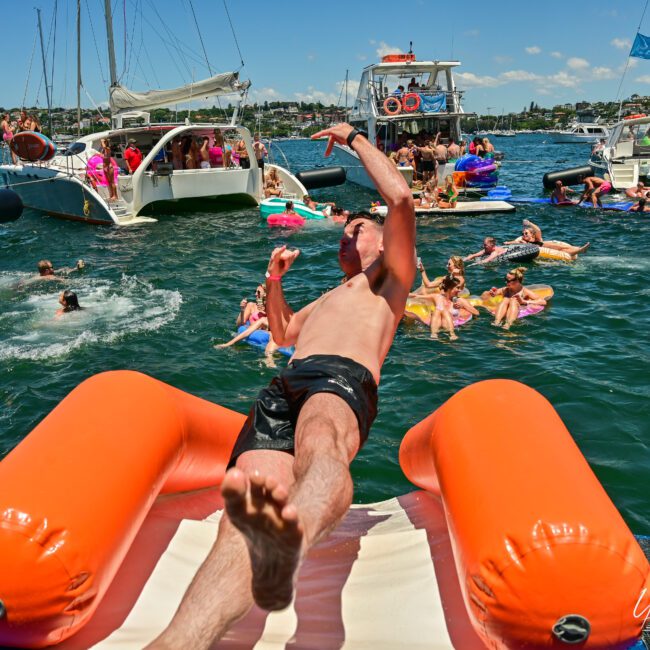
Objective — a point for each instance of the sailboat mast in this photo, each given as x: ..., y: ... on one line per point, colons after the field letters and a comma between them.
x: 78, y: 68
x: 346, y: 95
x: 47, y: 87
x: 108, y: 13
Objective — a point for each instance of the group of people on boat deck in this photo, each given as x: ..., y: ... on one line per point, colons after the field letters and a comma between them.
x: 425, y: 153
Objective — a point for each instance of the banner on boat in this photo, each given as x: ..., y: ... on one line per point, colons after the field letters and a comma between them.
x: 433, y: 103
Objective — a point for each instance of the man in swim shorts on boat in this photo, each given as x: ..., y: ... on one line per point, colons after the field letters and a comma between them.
x: 289, y: 483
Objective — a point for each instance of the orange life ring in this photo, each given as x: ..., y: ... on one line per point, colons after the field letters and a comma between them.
x: 411, y: 97
x: 628, y: 117
x: 395, y: 103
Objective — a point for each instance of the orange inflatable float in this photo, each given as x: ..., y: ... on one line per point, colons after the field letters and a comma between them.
x: 543, y: 556
x: 74, y: 493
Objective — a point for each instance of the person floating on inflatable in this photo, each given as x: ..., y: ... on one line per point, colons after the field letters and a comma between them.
x: 489, y: 251
x: 532, y: 234
x: 515, y: 296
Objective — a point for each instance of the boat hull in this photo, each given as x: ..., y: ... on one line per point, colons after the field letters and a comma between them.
x: 56, y: 194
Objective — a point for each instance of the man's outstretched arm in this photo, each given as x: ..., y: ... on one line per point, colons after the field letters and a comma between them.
x: 399, y: 229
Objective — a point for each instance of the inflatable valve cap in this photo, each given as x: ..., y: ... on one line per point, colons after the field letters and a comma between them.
x: 572, y: 629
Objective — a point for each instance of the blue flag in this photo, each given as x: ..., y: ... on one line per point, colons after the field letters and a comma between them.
x: 641, y: 47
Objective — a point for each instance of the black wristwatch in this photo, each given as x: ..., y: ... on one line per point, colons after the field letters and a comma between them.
x: 353, y: 134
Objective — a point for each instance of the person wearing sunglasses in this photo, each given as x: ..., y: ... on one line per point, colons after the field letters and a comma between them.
x: 288, y: 484
x: 532, y: 234
x: 515, y: 295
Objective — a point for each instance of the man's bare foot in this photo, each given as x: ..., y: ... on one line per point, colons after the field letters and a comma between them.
x: 434, y: 336
x: 582, y: 249
x: 453, y: 337
x: 506, y: 326
x: 258, y: 507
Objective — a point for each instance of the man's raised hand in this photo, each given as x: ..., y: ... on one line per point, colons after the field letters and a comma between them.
x: 281, y: 260
x: 337, y: 133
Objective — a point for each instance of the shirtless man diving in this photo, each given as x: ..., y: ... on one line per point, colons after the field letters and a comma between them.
x: 290, y: 485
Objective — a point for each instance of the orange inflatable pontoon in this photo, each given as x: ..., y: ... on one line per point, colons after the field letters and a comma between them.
x: 542, y: 556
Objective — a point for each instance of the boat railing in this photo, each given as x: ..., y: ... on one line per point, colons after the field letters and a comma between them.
x: 420, y: 102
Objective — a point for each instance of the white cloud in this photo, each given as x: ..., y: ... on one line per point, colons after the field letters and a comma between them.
x: 621, y: 43
x: 518, y: 75
x: 383, y: 49
x: 533, y: 49
x: 601, y: 73
x: 632, y: 63
x: 353, y: 89
x: 557, y: 55
x: 312, y: 96
x: 260, y: 95
x: 564, y: 79
x: 469, y: 79
x: 576, y: 63
x: 643, y: 79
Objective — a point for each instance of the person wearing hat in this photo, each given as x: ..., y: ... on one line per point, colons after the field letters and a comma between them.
x: 132, y: 157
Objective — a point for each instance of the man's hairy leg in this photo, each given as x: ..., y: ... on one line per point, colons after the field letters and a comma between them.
x: 327, y: 440
x: 220, y: 593
x: 281, y: 525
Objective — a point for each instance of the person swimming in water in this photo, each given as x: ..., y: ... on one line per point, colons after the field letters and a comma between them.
x: 489, y: 251
x: 515, y: 296
x: 69, y: 302
x: 532, y: 234
x: 559, y: 194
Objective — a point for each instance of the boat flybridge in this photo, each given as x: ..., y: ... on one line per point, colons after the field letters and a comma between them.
x: 626, y: 154
x: 430, y: 104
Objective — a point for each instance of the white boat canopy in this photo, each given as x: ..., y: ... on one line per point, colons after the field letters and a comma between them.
x: 122, y: 99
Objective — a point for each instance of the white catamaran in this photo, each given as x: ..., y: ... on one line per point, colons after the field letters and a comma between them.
x: 62, y: 188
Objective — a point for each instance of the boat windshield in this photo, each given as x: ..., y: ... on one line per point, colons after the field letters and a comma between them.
x: 637, y: 133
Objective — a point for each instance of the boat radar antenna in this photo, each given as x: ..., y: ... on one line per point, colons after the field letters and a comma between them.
x: 410, y: 47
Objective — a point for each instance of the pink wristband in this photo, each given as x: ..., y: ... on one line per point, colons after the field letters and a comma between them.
x: 274, y: 278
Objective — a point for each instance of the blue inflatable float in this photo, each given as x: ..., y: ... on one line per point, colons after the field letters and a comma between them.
x: 260, y: 339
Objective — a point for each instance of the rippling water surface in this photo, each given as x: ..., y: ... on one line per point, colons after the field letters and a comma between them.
x: 158, y: 297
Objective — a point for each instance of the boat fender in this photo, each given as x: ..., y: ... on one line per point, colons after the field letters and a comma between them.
x: 411, y: 102
x: 392, y: 106
x: 634, y: 117
x: 314, y: 179
x: 11, y: 206
x: 571, y: 176
x: 533, y: 558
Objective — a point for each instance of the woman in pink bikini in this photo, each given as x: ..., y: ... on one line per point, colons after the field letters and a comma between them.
x: 8, y: 134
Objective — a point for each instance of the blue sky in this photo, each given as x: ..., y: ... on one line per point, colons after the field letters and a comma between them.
x: 511, y: 52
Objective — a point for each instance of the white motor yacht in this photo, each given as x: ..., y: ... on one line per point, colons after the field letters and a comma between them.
x: 587, y: 129
x: 384, y: 113
x: 626, y: 154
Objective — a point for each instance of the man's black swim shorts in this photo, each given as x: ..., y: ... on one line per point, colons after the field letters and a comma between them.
x: 272, y: 419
